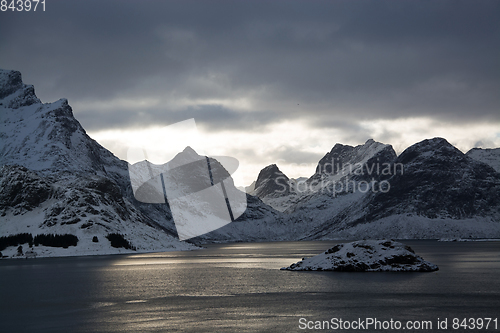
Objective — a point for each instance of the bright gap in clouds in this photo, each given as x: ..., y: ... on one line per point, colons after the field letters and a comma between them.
x: 160, y: 145
x: 254, y: 150
x: 294, y: 147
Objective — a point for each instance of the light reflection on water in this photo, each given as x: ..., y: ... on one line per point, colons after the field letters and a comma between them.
x: 239, y: 287
x: 265, y: 263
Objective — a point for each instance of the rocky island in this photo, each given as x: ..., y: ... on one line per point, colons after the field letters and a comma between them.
x: 366, y: 256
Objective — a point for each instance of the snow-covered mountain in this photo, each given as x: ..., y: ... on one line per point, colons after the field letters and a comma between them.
x: 439, y: 181
x: 47, y: 137
x: 431, y: 190
x: 255, y: 222
x: 348, y: 160
x: 55, y: 179
x: 343, y: 165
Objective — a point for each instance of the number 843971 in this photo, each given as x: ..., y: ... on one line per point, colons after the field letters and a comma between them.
x: 22, y: 5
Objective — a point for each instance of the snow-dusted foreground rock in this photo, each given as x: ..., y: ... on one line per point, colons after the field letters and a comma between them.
x: 366, y: 256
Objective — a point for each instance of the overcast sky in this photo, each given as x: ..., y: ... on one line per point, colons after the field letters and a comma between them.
x: 267, y: 82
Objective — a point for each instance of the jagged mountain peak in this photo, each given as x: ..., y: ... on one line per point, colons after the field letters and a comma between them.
x: 13, y: 92
x: 187, y: 154
x: 190, y: 151
x: 271, y: 181
x: 46, y: 137
x: 270, y: 172
x: 338, y: 146
x: 268, y: 169
x: 10, y: 81
x: 56, y: 179
x: 342, y: 155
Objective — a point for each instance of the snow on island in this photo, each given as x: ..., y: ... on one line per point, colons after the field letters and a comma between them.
x: 366, y: 256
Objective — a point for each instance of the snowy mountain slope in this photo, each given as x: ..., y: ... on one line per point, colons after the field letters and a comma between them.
x: 54, y: 179
x: 438, y: 192
x: 47, y: 138
x: 408, y: 226
x: 343, y: 176
x: 488, y: 156
x: 344, y: 160
x: 259, y: 222
x: 92, y: 207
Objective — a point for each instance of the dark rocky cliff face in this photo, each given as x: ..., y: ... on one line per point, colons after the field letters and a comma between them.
x: 379, y: 167
x: 22, y: 189
x: 271, y: 181
x: 332, y: 162
x: 13, y: 92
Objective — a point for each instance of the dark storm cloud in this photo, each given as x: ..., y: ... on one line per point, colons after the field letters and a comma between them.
x: 322, y: 62
x: 214, y: 117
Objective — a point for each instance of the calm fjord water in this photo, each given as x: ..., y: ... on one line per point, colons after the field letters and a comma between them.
x: 239, y: 288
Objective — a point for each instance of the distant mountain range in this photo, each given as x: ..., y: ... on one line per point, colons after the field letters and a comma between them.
x: 54, y: 179
x: 431, y: 190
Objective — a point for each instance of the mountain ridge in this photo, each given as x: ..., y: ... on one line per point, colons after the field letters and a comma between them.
x: 56, y: 179
x: 429, y: 182
x: 86, y: 190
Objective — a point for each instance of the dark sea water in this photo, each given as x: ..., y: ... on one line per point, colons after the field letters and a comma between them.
x: 239, y: 288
